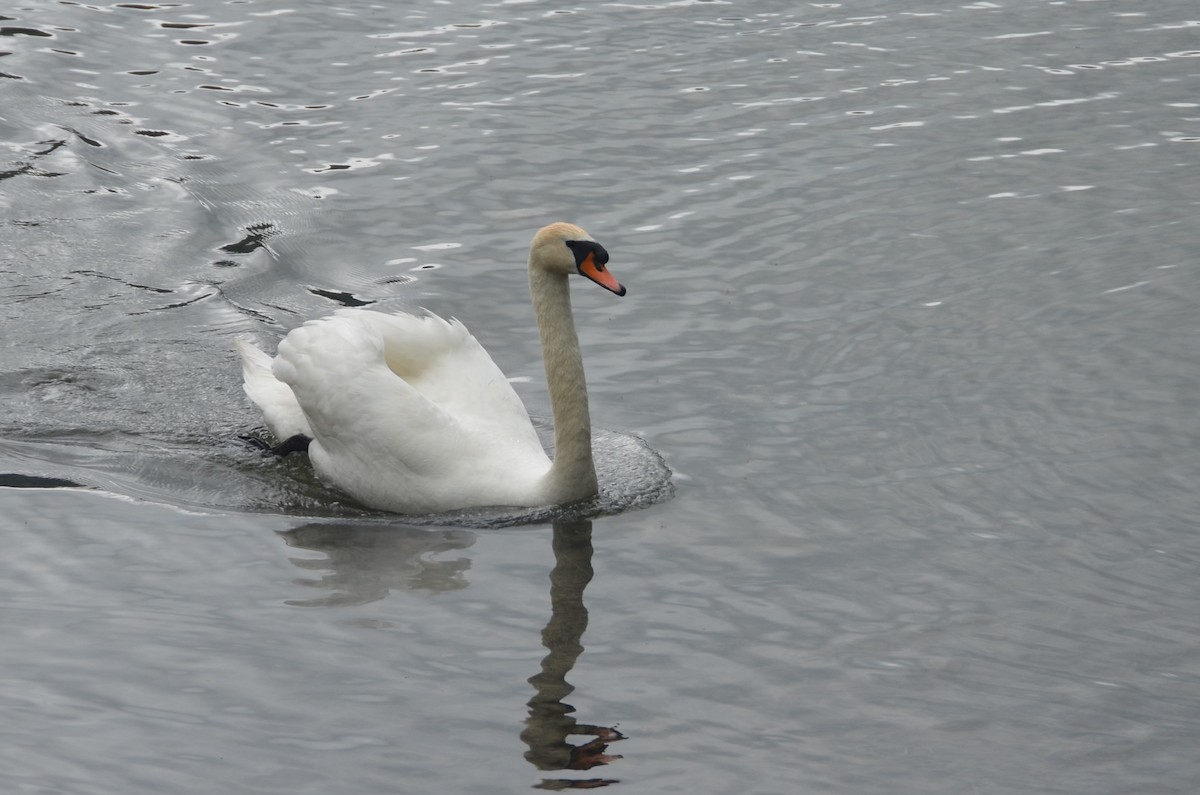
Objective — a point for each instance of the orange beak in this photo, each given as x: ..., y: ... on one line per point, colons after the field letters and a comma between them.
x: 600, y: 275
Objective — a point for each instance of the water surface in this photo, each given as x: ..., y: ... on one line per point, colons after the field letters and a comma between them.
x: 911, y: 315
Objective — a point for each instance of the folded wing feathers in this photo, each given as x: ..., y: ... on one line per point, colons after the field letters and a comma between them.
x: 395, y: 393
x: 276, y: 400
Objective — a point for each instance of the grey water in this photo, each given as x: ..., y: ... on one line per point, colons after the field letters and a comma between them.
x: 913, y: 317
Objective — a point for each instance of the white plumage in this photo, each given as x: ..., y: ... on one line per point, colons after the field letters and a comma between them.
x: 410, y: 414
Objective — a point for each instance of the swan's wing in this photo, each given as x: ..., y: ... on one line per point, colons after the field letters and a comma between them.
x: 276, y: 400
x: 412, y: 393
x: 447, y: 366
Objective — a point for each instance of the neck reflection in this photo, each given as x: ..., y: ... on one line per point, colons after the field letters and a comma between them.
x: 550, y: 721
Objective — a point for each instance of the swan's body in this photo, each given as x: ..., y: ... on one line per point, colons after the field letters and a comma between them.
x: 410, y: 414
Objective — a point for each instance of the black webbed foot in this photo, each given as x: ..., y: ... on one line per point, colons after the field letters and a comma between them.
x: 293, y: 444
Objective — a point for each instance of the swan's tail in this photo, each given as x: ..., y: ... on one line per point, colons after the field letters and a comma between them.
x: 278, y: 404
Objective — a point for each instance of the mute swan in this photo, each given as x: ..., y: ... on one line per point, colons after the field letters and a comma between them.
x: 410, y: 414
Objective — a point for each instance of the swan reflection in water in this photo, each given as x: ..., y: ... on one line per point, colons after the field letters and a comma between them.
x: 550, y: 721
x: 364, y: 564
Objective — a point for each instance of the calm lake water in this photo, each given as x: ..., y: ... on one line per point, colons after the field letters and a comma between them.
x: 913, y: 316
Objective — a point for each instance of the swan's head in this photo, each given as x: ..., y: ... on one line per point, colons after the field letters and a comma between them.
x: 565, y: 248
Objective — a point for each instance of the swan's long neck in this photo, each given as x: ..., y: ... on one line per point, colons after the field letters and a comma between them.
x: 573, y: 475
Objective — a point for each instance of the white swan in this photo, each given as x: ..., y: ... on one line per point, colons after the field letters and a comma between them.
x: 410, y: 414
